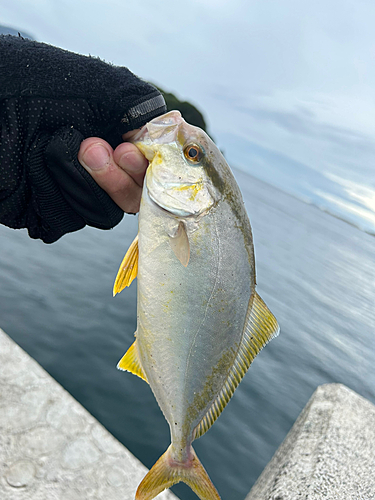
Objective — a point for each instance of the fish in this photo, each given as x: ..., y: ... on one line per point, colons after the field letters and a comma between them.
x: 200, y: 321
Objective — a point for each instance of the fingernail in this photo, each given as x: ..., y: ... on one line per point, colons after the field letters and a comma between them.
x: 95, y: 157
x: 128, y: 159
x: 133, y: 161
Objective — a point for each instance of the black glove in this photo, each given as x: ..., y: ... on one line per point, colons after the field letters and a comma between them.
x: 50, y: 100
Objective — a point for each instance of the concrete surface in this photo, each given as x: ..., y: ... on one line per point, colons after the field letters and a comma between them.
x: 328, y: 454
x: 50, y: 446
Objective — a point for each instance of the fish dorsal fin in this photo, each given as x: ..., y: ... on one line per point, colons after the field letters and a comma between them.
x: 128, y: 269
x: 179, y: 242
x: 260, y: 327
x: 130, y: 362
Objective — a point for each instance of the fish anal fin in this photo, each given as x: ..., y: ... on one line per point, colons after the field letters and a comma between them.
x: 128, y: 269
x: 260, y: 327
x: 130, y: 362
x: 179, y: 242
x: 166, y: 472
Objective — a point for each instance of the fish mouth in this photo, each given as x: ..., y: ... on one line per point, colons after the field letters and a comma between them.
x: 161, y: 130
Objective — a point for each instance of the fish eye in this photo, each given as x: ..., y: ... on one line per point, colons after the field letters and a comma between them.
x: 193, y: 153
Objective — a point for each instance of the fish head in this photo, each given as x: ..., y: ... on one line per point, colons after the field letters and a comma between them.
x: 181, y: 174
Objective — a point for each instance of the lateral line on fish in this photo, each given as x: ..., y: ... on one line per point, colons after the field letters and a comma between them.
x: 208, y: 302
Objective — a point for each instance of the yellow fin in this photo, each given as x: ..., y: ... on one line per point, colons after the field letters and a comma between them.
x: 167, y: 472
x: 128, y: 269
x: 180, y: 244
x: 260, y: 327
x: 130, y: 362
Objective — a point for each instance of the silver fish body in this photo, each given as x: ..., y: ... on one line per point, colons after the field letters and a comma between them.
x: 190, y: 319
x: 200, y: 321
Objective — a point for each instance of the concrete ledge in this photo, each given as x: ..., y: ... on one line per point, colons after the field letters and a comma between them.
x: 329, y: 452
x: 50, y: 446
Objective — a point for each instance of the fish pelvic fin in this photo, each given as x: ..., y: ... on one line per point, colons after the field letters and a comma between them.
x: 128, y: 269
x: 130, y: 362
x: 167, y: 472
x: 260, y: 327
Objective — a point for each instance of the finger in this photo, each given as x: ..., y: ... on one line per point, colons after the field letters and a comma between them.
x: 129, y: 135
x: 132, y: 161
x: 96, y: 156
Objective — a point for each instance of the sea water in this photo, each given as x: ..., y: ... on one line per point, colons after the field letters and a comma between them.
x: 315, y: 272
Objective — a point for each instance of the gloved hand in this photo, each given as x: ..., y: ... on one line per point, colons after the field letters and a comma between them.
x: 54, y: 107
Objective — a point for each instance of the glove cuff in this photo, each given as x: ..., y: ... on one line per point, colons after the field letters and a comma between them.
x: 144, y: 111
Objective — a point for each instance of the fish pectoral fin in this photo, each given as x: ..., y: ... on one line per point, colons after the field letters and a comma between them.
x: 180, y: 244
x: 130, y: 362
x: 260, y: 327
x: 128, y: 269
x: 167, y: 472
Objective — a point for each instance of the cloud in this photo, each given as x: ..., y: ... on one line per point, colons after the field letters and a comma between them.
x: 296, y: 78
x: 303, y: 121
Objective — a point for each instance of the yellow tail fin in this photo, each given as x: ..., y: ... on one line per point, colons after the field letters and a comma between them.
x: 165, y: 473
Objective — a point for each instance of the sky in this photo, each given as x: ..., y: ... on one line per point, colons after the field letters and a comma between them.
x: 287, y: 86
